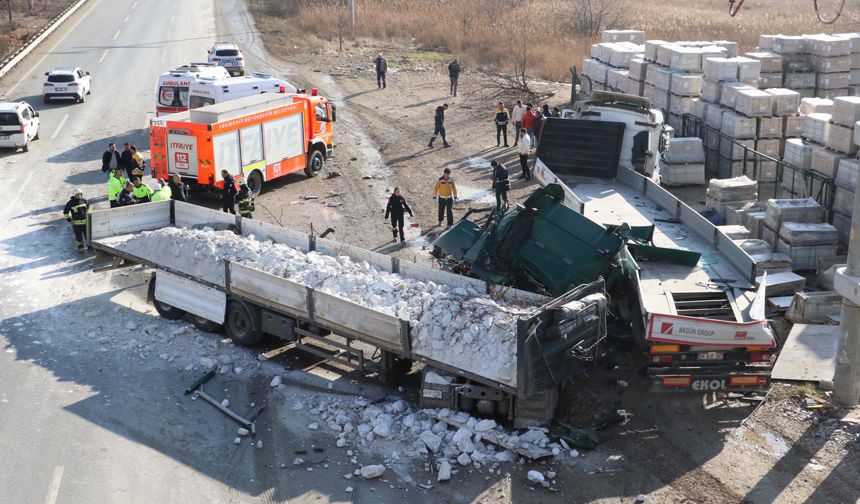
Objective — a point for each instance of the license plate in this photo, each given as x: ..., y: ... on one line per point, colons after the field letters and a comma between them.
x: 710, y: 356
x: 432, y: 394
x: 60, y: 89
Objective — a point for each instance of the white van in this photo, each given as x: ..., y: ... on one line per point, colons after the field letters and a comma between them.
x: 209, y: 92
x: 172, y: 87
x: 19, y: 124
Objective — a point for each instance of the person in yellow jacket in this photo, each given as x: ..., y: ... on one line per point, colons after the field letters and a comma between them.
x: 165, y: 188
x: 114, y: 186
x: 445, y: 193
x: 159, y: 193
x: 141, y: 192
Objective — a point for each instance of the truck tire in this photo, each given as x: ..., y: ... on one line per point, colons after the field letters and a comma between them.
x: 255, y: 183
x: 163, y: 309
x: 206, y: 325
x: 243, y: 323
x: 316, y: 163
x: 637, y: 327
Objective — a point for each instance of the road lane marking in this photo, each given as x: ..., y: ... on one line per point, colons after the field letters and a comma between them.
x: 163, y: 55
x: 54, y: 487
x: 104, y: 55
x: 60, y: 126
x: 134, y: 6
x: 126, y: 18
x: 116, y: 35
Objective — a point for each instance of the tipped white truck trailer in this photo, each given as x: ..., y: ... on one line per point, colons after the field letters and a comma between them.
x: 703, y: 326
x: 552, y: 341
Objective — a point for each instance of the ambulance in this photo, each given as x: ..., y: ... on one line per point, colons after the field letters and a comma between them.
x: 258, y: 138
x: 171, y: 90
x: 209, y: 92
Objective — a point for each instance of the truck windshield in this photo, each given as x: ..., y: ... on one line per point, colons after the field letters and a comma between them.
x: 227, y: 52
x: 173, y: 96
x: 61, y: 78
x: 199, y: 101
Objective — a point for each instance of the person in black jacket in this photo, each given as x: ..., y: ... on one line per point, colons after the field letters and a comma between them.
x: 439, y: 125
x: 501, y: 184
x: 126, y: 160
x: 396, y: 207
x: 454, y: 74
x: 228, y: 193
x: 178, y: 190
x: 75, y: 212
x: 381, y: 69
x: 126, y: 196
x: 110, y: 159
x: 501, y: 119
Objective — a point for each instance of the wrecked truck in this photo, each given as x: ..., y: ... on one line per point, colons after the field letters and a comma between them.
x: 552, y: 338
x: 686, y: 290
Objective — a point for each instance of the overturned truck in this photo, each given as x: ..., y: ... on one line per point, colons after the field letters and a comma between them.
x: 497, y: 351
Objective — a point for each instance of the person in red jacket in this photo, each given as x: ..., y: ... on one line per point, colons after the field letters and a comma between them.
x: 529, y: 122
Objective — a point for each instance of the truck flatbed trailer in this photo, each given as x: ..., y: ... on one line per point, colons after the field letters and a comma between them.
x: 248, y: 302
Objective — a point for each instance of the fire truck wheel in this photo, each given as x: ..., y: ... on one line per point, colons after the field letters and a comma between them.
x: 163, y: 309
x: 255, y: 183
x: 243, y: 324
x: 316, y: 162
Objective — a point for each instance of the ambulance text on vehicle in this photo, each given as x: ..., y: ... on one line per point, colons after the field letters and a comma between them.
x: 260, y: 138
x: 171, y: 90
x: 209, y: 92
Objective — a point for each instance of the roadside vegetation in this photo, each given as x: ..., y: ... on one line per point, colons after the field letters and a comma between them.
x: 21, y: 19
x: 550, y: 35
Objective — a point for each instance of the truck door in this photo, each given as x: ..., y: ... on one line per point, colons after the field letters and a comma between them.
x: 182, y: 154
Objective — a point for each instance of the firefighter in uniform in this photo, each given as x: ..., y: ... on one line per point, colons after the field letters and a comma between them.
x: 245, y: 200
x: 76, y: 213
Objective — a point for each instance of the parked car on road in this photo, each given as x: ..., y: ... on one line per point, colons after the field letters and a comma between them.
x: 19, y: 125
x: 67, y: 82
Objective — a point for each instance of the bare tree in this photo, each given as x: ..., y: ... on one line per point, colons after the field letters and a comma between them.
x: 516, y: 85
x: 590, y: 17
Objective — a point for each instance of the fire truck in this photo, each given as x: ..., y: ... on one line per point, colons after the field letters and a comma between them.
x: 259, y: 138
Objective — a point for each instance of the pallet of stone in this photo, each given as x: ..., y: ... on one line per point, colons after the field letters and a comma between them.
x: 781, y: 284
x: 680, y: 105
x: 663, y: 78
x: 749, y: 69
x: 832, y: 64
x: 785, y: 101
x: 686, y: 84
x: 713, y: 141
x: 616, y: 78
x: 841, y: 139
x: 802, y: 82
x: 813, y: 307
x: 770, y: 262
x: 621, y: 54
x: 664, y: 54
x: 765, y: 42
x: 732, y: 48
x: 685, y: 150
x: 720, y: 69
x: 711, y: 91
x: 687, y: 59
x: 735, y: 232
x: 808, y: 233
x: 846, y: 176
x: 737, y: 215
x: 697, y: 108
x: 798, y: 152
x: 797, y: 63
x: 754, y: 102
x: 842, y: 223
x: 714, y: 115
x: 729, y: 92
x: 766, y: 169
x: 755, y: 223
x: 686, y: 174
x: 737, y: 149
x: 804, y: 257
x: 792, y: 126
x: 730, y: 191
x: 833, y: 82
x: 660, y: 99
x: 843, y: 201
x: 674, y: 120
x: 729, y: 168
x: 737, y: 125
x: 788, y: 44
x: 634, y: 36
x: 827, y: 45
x: 826, y: 161
x: 637, y: 68
x: 769, y: 127
x: 816, y: 127
x: 770, y: 80
x: 651, y: 49
x: 805, y: 210
x: 768, y: 61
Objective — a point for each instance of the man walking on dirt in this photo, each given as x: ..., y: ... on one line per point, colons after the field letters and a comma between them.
x: 501, y: 184
x: 75, y: 212
x: 445, y: 193
x: 397, y: 207
x: 454, y: 73
x: 439, y: 125
x: 524, y: 149
x: 501, y: 119
x: 228, y: 193
x: 381, y: 69
x: 517, y: 113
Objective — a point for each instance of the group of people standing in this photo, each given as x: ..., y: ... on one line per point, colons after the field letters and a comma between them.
x: 527, y: 121
x: 381, y: 66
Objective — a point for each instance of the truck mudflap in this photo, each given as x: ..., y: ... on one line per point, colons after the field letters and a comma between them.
x: 709, y: 380
x: 700, y: 331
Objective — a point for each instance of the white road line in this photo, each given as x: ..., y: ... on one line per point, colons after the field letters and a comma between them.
x: 126, y: 18
x: 104, y: 55
x: 60, y: 126
x: 134, y: 6
x: 163, y: 55
x: 116, y: 35
x: 54, y: 487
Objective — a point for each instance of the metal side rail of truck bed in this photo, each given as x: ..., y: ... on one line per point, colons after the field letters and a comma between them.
x: 558, y: 340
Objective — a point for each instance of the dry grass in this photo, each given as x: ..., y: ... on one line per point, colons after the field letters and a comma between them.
x: 493, y: 32
x: 25, y: 23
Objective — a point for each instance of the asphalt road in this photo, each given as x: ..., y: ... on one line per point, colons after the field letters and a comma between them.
x: 79, y: 426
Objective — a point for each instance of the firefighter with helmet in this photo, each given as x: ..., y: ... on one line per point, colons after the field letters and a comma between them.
x: 75, y: 212
x: 245, y: 200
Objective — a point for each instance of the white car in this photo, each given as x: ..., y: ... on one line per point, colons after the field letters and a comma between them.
x: 67, y: 82
x: 228, y: 55
x: 19, y: 124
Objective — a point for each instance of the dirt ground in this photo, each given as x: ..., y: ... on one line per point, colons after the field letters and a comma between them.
x: 671, y: 448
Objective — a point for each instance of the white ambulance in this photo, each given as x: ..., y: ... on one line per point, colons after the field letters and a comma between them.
x: 173, y: 86
x: 209, y: 92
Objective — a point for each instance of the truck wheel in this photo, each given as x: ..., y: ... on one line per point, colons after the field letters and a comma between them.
x: 243, y: 324
x: 255, y: 183
x: 316, y: 162
x: 206, y: 325
x: 163, y: 309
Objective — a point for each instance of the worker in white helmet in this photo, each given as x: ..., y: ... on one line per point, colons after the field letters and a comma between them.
x: 75, y: 212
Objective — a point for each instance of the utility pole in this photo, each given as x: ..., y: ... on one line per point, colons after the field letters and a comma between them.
x: 352, y: 17
x: 847, y: 283
x: 9, y: 6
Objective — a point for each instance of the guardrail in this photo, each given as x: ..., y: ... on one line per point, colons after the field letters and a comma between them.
x: 16, y: 57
